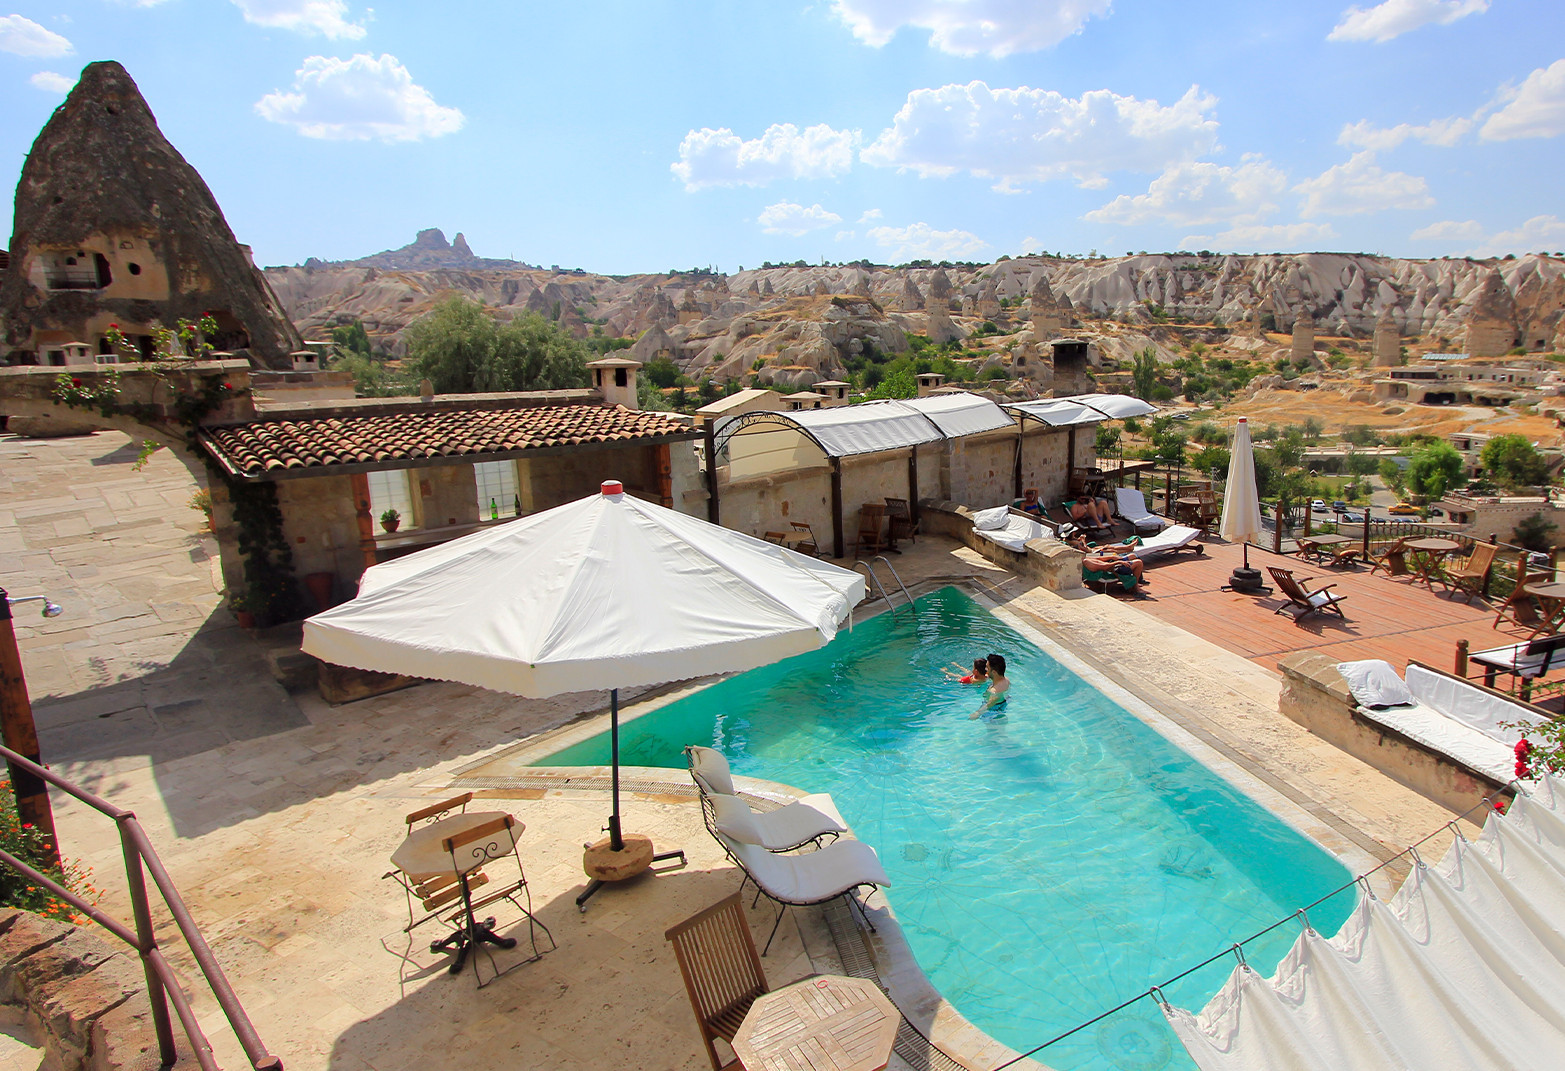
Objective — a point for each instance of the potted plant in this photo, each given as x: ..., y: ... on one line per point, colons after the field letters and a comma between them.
x: 244, y: 608
x: 390, y: 520
x: 202, y: 500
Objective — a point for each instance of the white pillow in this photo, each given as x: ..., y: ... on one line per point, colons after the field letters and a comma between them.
x: 988, y: 520
x: 1375, y: 684
x: 735, y: 819
x: 710, y: 770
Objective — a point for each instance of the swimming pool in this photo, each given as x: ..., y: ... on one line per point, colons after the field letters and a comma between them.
x: 1045, y: 865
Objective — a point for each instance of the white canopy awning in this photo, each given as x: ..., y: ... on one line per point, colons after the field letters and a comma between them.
x: 1113, y: 406
x: 1057, y: 412
x: 866, y: 428
x: 958, y: 413
x: 605, y: 592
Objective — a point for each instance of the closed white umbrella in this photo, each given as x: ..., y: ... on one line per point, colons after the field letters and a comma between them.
x: 1241, y: 520
x: 606, y: 592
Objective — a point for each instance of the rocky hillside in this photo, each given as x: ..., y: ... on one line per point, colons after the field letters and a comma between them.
x: 798, y: 325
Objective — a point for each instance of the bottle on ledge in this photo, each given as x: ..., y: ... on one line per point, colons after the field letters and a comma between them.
x: 494, y: 511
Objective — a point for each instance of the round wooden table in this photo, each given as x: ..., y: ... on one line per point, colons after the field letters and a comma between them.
x: 1430, y: 551
x: 1313, y: 544
x: 1551, y: 606
x: 825, y: 1023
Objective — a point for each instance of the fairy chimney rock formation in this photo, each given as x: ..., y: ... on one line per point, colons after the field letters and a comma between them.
x: 1388, y: 341
x: 1045, y: 312
x: 940, y: 287
x: 1491, y: 322
x: 114, y: 227
x: 912, y: 298
x: 1303, y: 347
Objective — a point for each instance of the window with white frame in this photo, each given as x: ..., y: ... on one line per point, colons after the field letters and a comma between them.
x: 496, y: 489
x: 393, y: 490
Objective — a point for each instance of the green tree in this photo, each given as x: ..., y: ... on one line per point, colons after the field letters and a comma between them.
x: 1514, y: 462
x: 1533, y: 532
x: 1435, y: 468
x: 1105, y: 440
x: 461, y: 349
x: 660, y: 372
x: 1143, y: 373
x: 1392, y: 474
x: 897, y: 384
x: 352, y: 338
x: 372, y: 378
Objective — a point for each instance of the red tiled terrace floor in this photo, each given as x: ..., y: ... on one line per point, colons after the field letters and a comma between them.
x: 1394, y: 619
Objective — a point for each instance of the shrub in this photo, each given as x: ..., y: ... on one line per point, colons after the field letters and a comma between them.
x: 31, y: 846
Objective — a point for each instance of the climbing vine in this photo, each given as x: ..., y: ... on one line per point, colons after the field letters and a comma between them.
x: 271, y: 591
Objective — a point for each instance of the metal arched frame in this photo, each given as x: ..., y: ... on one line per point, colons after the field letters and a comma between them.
x: 1022, y: 417
x: 716, y: 442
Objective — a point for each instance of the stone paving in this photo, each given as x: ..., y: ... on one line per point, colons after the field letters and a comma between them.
x: 276, y: 814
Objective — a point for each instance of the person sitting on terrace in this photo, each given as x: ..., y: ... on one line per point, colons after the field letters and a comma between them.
x: 1030, y: 503
x: 979, y: 674
x: 1093, y: 511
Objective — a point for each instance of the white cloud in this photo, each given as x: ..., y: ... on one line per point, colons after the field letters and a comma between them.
x: 1392, y: 18
x: 920, y: 241
x: 843, y: 236
x: 1443, y: 133
x: 357, y: 99
x: 1536, y: 110
x: 1032, y: 135
x: 785, y: 217
x: 1256, y: 237
x: 1361, y: 185
x: 968, y: 27
x: 720, y: 157
x: 329, y: 18
x: 1469, y: 237
x: 869, y: 214
x: 24, y: 37
x: 1190, y: 194
x: 50, y: 82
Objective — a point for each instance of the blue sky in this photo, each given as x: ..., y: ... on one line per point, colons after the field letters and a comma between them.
x: 643, y: 136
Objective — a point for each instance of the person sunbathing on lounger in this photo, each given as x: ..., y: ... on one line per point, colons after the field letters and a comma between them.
x: 1030, y: 503
x: 1111, y: 559
x: 1094, y: 511
x: 999, y: 687
x: 978, y: 675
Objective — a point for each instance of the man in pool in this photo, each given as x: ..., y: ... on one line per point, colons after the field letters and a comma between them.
x: 979, y: 673
x: 999, y: 687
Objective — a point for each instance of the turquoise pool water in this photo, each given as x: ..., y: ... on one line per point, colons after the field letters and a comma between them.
x: 1045, y: 865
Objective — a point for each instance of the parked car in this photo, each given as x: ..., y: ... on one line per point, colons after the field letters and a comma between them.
x: 1352, y: 518
x: 1339, y: 506
x: 1403, y: 509
x: 1318, y: 505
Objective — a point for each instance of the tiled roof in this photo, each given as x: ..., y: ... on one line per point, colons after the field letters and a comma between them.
x: 273, y: 449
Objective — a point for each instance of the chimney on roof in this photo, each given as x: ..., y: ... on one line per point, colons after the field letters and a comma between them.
x: 615, y: 379
x: 426, y: 390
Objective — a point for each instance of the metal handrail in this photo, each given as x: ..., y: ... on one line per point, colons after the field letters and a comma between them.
x: 162, y: 984
x: 869, y: 571
x: 893, y: 570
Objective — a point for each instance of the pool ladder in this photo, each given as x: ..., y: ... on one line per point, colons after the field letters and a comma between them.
x: 869, y: 571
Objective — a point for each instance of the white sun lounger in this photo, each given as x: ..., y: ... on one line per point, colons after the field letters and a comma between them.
x: 838, y: 869
x: 1017, y: 532
x: 1174, y: 537
x: 791, y: 826
x: 1133, y: 507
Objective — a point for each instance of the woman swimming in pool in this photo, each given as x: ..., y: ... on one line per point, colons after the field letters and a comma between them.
x: 999, y: 687
x: 979, y: 674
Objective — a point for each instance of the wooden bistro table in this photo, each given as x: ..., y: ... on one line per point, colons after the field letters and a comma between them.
x: 1430, y: 552
x: 423, y: 855
x: 1551, y: 606
x: 825, y: 1023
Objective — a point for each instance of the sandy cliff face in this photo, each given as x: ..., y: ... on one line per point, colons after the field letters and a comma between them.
x: 801, y: 324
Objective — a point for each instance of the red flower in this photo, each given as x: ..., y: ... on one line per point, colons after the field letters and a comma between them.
x: 114, y: 327
x: 75, y: 382
x: 1499, y: 806
x: 1521, y: 768
x: 1523, y: 748
x: 228, y: 386
x: 27, y: 825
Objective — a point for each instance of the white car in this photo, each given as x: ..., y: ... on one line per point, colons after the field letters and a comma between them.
x: 1318, y: 506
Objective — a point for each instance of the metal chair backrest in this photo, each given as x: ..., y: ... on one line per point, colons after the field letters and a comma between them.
x: 721, y: 968
x: 436, y: 811
x: 472, y: 848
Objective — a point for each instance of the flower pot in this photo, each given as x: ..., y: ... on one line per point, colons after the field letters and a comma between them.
x: 245, y: 618
x: 391, y: 526
x: 320, y: 585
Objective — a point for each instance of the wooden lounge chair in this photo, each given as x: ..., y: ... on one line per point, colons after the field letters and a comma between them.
x: 1085, y: 524
x: 871, y: 538
x: 1524, y: 663
x: 1301, y: 600
x: 722, y: 973
x: 1392, y: 558
x: 1470, y: 576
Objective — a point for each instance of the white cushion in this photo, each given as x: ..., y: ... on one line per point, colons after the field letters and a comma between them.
x: 813, y: 877
x: 1374, y: 683
x: 989, y: 519
x: 1016, y: 533
x: 710, y: 770
x: 1171, y: 538
x: 1469, y: 704
x: 735, y: 819
x: 1447, y: 736
x: 786, y: 828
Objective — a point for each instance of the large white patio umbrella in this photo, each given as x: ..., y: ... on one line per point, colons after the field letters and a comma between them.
x: 606, y: 592
x: 1241, y: 520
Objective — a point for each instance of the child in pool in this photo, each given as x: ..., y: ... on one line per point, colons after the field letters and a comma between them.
x: 999, y: 687
x: 979, y: 674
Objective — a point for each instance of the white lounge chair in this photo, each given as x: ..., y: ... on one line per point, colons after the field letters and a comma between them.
x: 1132, y: 506
x: 781, y: 830
x: 791, y: 826
x: 1008, y: 529
x: 838, y: 869
x: 1174, y: 537
x: 1450, y: 717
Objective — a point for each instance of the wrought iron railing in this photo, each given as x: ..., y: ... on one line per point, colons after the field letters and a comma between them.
x: 162, y: 986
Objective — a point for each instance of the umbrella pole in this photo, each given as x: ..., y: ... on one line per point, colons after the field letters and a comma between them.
x: 616, y: 841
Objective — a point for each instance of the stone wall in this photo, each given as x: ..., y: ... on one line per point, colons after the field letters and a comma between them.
x: 84, y: 994
x: 1047, y: 561
x: 1315, y: 695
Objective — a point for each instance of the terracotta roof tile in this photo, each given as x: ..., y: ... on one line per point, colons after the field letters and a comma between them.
x: 269, y: 446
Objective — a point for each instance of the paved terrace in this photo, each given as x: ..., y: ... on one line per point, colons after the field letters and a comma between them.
x: 276, y: 814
